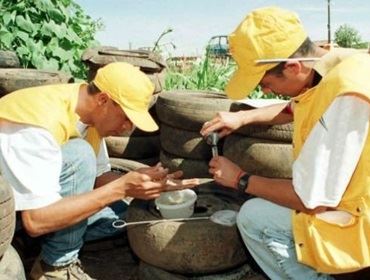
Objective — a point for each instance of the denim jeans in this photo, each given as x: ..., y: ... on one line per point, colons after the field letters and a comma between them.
x: 77, y: 177
x: 266, y: 230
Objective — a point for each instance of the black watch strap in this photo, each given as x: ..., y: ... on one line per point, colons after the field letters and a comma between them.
x: 243, y: 182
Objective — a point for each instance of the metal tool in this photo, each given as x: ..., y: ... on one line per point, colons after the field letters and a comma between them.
x: 221, y: 217
x: 212, y: 140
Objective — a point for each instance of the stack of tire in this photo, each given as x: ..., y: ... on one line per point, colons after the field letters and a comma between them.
x: 260, y: 150
x: 12, y: 77
x: 11, y: 267
x: 134, y: 146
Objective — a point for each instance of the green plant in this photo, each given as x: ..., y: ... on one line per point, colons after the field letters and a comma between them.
x: 346, y: 36
x: 205, y: 74
x: 47, y: 34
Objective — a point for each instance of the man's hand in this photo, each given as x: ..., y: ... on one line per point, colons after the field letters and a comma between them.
x: 144, y: 183
x: 224, y: 123
x: 224, y: 171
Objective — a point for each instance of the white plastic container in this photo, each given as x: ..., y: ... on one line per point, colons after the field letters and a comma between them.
x: 176, y: 204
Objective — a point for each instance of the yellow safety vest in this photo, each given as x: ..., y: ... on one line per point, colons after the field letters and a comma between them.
x: 51, y: 107
x: 332, y: 248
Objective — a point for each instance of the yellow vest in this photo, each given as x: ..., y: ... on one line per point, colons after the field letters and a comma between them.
x: 332, y: 248
x: 51, y: 107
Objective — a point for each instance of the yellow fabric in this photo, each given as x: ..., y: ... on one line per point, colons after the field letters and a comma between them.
x: 131, y: 89
x: 265, y: 33
x: 332, y: 248
x: 51, y: 107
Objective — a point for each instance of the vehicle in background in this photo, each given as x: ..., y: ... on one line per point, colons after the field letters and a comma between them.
x: 218, y: 46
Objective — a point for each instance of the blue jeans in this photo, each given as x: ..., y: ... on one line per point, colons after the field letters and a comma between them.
x: 77, y: 177
x: 266, y: 230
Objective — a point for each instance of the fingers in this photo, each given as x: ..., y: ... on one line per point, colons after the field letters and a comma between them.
x: 175, y: 175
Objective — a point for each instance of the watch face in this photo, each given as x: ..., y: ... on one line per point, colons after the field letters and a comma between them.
x: 243, y: 183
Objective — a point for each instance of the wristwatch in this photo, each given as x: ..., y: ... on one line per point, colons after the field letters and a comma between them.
x: 243, y: 182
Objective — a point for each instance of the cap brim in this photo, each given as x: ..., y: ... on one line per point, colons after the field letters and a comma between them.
x: 142, y: 120
x: 242, y: 83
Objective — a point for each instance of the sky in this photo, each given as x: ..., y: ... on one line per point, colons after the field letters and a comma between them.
x: 139, y: 23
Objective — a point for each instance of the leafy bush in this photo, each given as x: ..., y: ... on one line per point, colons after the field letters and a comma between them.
x: 47, y: 34
x: 347, y: 36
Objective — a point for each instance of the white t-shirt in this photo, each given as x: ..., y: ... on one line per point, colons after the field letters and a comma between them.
x: 329, y: 156
x: 31, y: 161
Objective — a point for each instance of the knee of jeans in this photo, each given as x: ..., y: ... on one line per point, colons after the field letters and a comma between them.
x: 251, y: 216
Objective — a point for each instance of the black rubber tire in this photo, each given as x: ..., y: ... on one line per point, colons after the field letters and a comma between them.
x: 282, y: 133
x: 148, y: 62
x: 149, y: 272
x: 9, y: 59
x: 192, y: 247
x: 18, y: 78
x: 185, y: 144
x: 11, y: 267
x: 133, y: 147
x: 189, y: 110
x: 260, y: 157
x: 192, y: 168
x: 158, y: 80
x: 7, y: 215
x: 125, y: 165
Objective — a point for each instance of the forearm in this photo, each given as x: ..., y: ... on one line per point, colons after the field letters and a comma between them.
x: 105, y: 178
x: 267, y: 115
x: 69, y: 210
x: 279, y: 191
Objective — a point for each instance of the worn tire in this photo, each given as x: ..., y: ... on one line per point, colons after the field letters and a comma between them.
x: 125, y: 165
x: 260, y: 157
x: 185, y: 144
x: 9, y: 59
x: 189, y: 110
x: 149, y: 272
x: 192, y: 168
x: 192, y: 247
x: 11, y: 267
x: 282, y: 132
x: 18, y: 78
x: 133, y: 147
x: 97, y: 57
x: 7, y: 215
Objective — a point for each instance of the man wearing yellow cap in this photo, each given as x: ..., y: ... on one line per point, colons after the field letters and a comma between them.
x: 53, y: 156
x: 317, y: 223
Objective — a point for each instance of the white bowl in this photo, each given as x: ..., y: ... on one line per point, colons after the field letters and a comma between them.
x: 176, y: 204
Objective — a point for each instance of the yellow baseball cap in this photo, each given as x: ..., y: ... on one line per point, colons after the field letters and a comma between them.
x: 131, y: 89
x: 266, y: 33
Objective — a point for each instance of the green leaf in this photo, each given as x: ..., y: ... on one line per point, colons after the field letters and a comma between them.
x: 22, y: 35
x: 62, y: 54
x: 56, y: 15
x: 22, y: 51
x: 24, y: 24
x: 7, y: 17
x: 38, y: 60
x: 51, y: 64
x: 47, y: 29
x: 6, y: 39
x: 43, y: 5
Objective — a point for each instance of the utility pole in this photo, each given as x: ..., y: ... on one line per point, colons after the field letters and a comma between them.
x: 329, y: 35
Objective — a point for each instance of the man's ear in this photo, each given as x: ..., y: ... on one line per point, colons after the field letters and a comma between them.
x: 292, y: 67
x: 102, y: 98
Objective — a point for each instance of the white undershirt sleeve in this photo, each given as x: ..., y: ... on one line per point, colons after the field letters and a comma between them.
x: 331, y: 152
x: 32, y: 166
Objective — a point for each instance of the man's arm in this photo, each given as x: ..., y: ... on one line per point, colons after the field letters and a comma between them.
x: 227, y: 122
x: 71, y: 210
